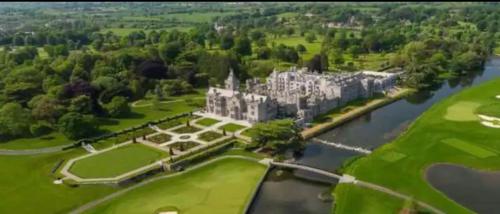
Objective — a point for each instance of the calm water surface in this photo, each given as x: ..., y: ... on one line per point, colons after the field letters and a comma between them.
x: 370, y: 131
x: 474, y: 189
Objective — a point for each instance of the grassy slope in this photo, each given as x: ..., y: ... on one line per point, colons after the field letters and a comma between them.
x: 222, y: 187
x: 422, y: 146
x: 112, y: 163
x: 140, y: 115
x: 26, y: 185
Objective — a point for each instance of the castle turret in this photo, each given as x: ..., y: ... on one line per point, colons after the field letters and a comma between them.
x: 232, y: 83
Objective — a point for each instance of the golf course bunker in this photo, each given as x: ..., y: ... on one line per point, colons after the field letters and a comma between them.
x: 492, y: 122
x: 462, y: 111
x: 476, y: 190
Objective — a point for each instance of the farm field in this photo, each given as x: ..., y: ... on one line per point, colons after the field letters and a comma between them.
x: 440, y: 135
x: 223, y: 186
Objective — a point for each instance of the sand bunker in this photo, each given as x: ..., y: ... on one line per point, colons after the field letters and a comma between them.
x: 489, y: 121
x: 498, y: 96
x: 462, y: 111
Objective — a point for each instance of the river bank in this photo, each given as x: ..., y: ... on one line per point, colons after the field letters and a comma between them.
x: 340, y: 118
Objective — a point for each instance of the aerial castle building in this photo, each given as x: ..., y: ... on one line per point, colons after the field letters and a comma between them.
x: 294, y: 93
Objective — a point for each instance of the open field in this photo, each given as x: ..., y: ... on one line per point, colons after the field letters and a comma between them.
x: 373, y: 202
x: 293, y: 41
x: 116, y: 161
x: 430, y: 139
x: 196, y: 17
x: 222, y: 187
x: 126, y: 31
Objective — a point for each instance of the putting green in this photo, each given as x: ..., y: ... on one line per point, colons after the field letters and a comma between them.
x: 462, y: 111
x: 116, y: 161
x: 224, y: 186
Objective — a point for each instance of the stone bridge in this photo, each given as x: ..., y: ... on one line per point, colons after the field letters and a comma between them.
x: 350, y: 179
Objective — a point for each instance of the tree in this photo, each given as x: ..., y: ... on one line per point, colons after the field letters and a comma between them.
x: 76, y: 126
x: 117, y: 107
x: 276, y: 134
x: 46, y: 108
x: 226, y: 41
x: 310, y: 37
x: 81, y: 104
x: 22, y: 84
x: 301, y: 48
x: 15, y: 120
x: 318, y: 63
x: 168, y: 52
x: 243, y: 46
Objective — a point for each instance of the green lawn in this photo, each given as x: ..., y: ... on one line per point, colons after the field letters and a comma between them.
x: 207, y: 121
x: 221, y: 187
x: 430, y: 139
x: 116, y: 161
x: 469, y: 148
x: 231, y: 127
x: 26, y: 185
x: 373, y: 202
x: 209, y: 136
x: 311, y: 48
x: 492, y: 109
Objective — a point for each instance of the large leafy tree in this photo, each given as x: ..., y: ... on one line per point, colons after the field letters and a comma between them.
x: 117, y: 107
x: 15, y: 120
x: 76, y: 126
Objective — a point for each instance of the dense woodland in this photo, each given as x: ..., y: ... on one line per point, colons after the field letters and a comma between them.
x: 60, y: 68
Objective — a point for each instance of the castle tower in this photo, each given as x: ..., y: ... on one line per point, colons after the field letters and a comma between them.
x: 232, y: 83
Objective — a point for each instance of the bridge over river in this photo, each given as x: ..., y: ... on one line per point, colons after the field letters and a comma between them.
x: 345, y: 178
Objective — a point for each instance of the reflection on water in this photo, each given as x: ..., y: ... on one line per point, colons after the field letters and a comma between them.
x: 369, y: 131
x: 476, y: 190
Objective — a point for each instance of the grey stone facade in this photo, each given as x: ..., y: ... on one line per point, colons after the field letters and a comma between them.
x: 294, y: 93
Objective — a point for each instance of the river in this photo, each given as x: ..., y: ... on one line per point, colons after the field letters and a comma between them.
x: 291, y: 193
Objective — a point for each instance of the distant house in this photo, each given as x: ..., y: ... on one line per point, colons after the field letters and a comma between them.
x: 309, y: 15
x: 219, y: 28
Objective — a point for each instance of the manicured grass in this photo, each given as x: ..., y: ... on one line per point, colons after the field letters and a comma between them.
x: 469, y: 148
x: 355, y: 199
x: 209, y: 136
x: 26, y: 185
x: 207, y: 121
x: 186, y: 129
x: 172, y: 123
x: 224, y: 186
x: 393, y: 156
x: 424, y: 144
x: 160, y: 138
x: 116, y: 161
x: 231, y: 127
x: 462, y: 111
x: 492, y: 109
